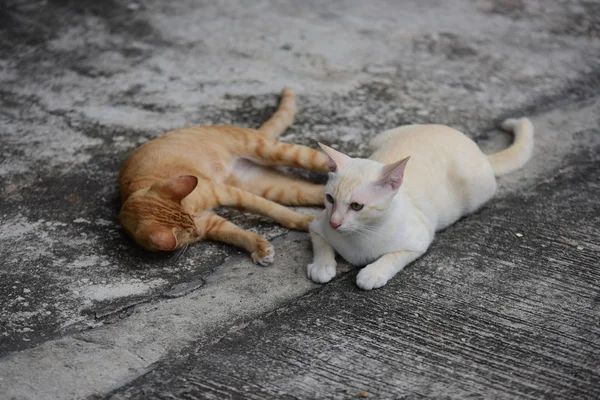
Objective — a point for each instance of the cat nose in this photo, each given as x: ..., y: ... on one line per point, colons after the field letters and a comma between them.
x: 334, y: 224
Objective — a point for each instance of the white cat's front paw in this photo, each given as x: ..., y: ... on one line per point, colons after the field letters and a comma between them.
x: 372, y: 277
x: 321, y: 273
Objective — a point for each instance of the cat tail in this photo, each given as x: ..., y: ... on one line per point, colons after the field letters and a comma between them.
x: 514, y: 157
x: 283, y: 117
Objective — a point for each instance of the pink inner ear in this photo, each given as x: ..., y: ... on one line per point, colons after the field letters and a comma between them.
x: 163, y: 239
x: 178, y: 188
x: 332, y: 165
x: 393, y: 174
x: 336, y: 159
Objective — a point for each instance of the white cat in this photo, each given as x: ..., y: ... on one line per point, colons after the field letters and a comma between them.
x: 379, y: 216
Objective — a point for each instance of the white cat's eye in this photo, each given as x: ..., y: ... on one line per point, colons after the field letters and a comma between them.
x: 356, y: 206
x: 329, y: 198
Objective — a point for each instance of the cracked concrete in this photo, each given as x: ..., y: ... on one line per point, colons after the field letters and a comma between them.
x: 239, y: 290
x: 82, y: 83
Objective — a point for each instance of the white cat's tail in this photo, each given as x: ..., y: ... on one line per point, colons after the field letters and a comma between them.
x: 283, y: 117
x: 514, y: 157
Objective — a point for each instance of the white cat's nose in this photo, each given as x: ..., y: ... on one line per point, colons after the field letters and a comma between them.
x: 334, y: 224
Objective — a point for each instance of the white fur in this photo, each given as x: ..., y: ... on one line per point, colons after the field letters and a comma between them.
x: 446, y: 178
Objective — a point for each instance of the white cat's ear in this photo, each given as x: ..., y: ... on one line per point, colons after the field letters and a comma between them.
x: 393, y: 174
x: 336, y: 159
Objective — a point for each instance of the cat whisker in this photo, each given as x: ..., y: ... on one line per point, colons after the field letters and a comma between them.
x: 370, y: 231
x: 179, y: 253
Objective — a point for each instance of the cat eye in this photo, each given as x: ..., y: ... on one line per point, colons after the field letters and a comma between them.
x: 356, y: 206
x: 329, y: 198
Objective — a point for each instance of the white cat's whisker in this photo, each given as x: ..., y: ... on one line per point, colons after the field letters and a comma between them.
x: 369, y: 230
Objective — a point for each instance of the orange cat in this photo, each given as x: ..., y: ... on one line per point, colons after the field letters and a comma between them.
x: 170, y: 185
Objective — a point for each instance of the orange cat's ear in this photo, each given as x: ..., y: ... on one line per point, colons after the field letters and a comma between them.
x: 163, y: 239
x: 393, y: 174
x: 177, y: 188
x: 336, y: 159
x: 156, y: 237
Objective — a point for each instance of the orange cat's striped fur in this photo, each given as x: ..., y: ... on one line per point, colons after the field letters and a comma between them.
x: 170, y: 185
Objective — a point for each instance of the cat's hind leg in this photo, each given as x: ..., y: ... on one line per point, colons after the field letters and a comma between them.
x: 210, y: 195
x: 378, y: 273
x: 276, y: 186
x: 219, y: 229
x: 274, y: 153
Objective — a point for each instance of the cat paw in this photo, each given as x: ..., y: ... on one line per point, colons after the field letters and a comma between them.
x: 321, y: 273
x: 302, y: 223
x: 264, y: 256
x: 371, y: 278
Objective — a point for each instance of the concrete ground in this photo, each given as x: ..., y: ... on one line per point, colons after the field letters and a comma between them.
x: 84, y: 313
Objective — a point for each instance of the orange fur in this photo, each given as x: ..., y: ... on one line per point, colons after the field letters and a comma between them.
x: 170, y: 185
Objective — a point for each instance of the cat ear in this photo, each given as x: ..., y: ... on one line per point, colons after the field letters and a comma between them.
x: 393, y: 174
x: 163, y: 239
x: 177, y: 188
x: 156, y: 237
x: 336, y: 159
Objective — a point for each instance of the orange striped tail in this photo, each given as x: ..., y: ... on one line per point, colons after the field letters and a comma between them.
x: 283, y: 117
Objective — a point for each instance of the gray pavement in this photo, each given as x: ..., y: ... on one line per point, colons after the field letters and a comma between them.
x: 84, y: 312
x: 495, y: 316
